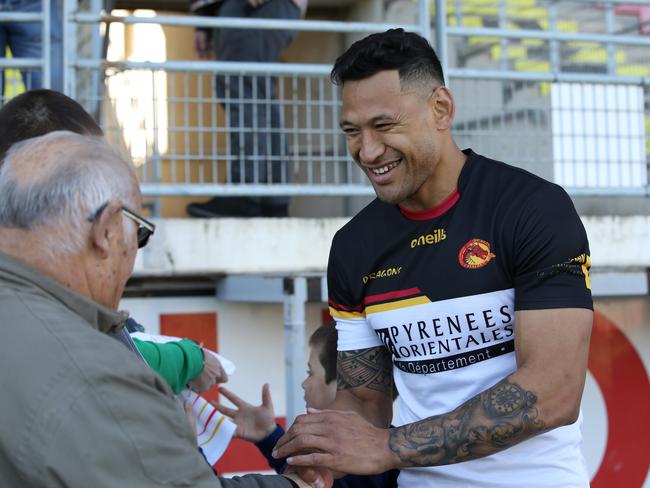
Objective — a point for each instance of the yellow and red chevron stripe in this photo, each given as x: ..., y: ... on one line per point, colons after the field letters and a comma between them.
x: 342, y: 314
x: 395, y: 300
x: 383, y: 302
x: 339, y: 311
x: 396, y: 305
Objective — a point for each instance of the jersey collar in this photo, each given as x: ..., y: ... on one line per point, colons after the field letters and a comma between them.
x: 447, y: 203
x: 434, y: 212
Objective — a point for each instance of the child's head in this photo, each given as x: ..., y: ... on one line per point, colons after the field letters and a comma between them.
x: 320, y: 384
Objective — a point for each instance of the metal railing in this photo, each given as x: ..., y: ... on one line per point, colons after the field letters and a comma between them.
x: 559, y: 88
x: 188, y: 150
x: 188, y: 144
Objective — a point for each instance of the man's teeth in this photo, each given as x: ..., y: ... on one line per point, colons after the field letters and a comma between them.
x: 384, y: 169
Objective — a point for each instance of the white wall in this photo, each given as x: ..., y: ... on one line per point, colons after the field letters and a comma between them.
x: 294, y: 245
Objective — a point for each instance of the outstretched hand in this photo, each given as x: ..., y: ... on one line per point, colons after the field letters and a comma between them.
x: 254, y: 423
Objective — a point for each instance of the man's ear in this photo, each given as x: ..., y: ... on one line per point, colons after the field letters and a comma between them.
x: 443, y: 106
x: 103, y: 228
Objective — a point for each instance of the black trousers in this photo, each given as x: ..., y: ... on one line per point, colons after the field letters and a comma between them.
x: 257, y: 144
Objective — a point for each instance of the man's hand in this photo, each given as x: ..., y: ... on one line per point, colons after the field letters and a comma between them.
x: 339, y: 441
x: 203, y: 43
x: 256, y: 3
x: 253, y: 423
x: 212, y: 374
x: 310, y: 477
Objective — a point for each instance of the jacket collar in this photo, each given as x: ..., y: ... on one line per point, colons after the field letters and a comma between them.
x: 13, y: 271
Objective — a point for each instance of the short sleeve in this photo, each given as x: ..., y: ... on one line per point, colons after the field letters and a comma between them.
x: 551, y: 253
x: 346, y: 307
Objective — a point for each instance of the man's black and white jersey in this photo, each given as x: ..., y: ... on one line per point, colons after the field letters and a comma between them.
x: 440, y: 289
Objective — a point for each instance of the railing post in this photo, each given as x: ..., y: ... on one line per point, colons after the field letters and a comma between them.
x: 504, y: 43
x: 155, y: 156
x: 69, y: 48
x: 441, y: 35
x: 46, y: 38
x: 553, y: 44
x: 295, y: 298
x: 611, y: 50
x: 97, y: 76
x: 424, y: 18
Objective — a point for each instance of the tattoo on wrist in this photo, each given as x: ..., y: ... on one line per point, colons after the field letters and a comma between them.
x: 495, y: 419
x: 370, y: 368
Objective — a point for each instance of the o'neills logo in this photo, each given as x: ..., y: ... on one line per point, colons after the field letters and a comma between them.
x: 475, y: 254
x: 382, y: 273
x: 434, y: 237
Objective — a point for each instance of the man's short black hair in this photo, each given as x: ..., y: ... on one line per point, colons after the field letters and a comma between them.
x: 408, y: 53
x: 39, y: 112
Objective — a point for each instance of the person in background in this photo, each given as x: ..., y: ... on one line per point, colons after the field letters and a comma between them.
x: 257, y: 423
x: 25, y: 39
x: 254, y: 118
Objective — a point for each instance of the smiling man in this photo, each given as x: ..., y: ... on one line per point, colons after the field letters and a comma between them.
x: 485, y: 328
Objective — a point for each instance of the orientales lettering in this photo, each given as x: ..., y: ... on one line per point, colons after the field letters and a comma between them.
x: 443, y: 337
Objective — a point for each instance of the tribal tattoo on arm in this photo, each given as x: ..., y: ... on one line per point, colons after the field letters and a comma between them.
x: 493, y: 420
x: 369, y: 368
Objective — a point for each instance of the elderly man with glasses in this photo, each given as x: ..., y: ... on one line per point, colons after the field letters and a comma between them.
x: 39, y: 112
x: 81, y: 409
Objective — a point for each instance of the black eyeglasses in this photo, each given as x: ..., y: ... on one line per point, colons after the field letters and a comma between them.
x: 145, y: 228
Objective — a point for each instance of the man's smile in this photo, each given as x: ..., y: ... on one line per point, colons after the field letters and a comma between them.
x: 386, y: 168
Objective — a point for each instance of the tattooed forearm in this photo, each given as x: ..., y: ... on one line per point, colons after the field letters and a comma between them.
x: 491, y: 421
x: 370, y: 368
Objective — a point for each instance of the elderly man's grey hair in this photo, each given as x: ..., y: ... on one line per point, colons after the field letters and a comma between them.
x: 57, y: 181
